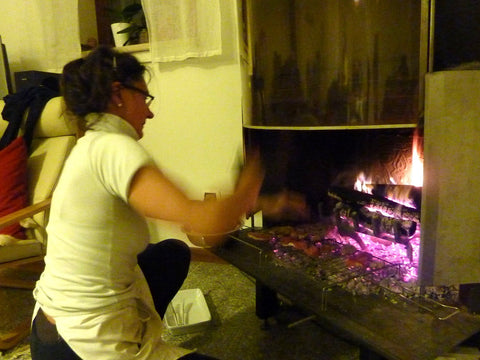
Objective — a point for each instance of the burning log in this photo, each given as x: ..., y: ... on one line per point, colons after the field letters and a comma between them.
x: 411, y: 194
x: 375, y: 224
x: 345, y: 229
x: 350, y: 221
x: 379, y: 203
x: 363, y: 213
x: 385, y: 227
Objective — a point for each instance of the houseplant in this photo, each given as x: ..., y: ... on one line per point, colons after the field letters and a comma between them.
x: 128, y: 24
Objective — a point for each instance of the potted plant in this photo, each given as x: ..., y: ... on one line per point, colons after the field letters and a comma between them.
x: 128, y: 24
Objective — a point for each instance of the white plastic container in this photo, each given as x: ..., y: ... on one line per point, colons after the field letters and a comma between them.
x: 188, y: 312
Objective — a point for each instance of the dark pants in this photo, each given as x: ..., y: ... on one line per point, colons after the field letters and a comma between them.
x: 165, y: 266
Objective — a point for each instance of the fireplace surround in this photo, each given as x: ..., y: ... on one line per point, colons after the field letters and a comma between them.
x: 343, y: 88
x: 332, y: 97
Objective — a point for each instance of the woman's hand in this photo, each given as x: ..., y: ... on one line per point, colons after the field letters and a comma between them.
x: 250, y: 181
x: 153, y: 195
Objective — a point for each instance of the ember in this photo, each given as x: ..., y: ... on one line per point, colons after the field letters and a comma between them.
x: 393, y: 252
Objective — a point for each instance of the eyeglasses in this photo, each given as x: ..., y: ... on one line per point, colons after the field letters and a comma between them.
x: 148, y: 98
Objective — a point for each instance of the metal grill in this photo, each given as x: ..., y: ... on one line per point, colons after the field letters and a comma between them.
x: 339, y: 267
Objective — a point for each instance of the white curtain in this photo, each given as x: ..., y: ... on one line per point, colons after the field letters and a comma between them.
x: 180, y: 29
x: 40, y: 35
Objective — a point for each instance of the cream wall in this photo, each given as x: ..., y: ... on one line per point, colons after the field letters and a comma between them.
x: 196, y: 134
x: 24, y: 25
x: 87, y: 22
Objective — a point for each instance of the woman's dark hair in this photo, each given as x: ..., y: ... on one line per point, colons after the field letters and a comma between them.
x: 86, y: 83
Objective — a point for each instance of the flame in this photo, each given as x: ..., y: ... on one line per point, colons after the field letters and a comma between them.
x: 416, y: 172
x: 413, y: 176
x: 361, y: 184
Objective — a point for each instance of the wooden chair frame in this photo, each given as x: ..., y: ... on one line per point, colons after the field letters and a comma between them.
x: 16, y: 335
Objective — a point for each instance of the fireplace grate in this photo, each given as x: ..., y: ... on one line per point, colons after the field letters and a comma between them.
x: 334, y: 266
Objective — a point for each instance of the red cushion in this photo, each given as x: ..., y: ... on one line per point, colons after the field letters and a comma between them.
x: 13, y: 183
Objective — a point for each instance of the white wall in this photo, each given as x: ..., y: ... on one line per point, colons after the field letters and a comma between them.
x: 36, y: 37
x: 196, y: 134
x: 87, y: 20
x: 197, y: 130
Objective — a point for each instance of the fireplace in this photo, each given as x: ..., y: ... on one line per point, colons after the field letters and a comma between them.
x: 358, y: 286
x: 399, y: 273
x: 438, y: 228
x: 335, y: 90
x: 326, y: 166
x: 383, y: 219
x: 338, y: 96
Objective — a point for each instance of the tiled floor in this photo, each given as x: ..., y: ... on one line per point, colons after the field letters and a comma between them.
x: 235, y: 333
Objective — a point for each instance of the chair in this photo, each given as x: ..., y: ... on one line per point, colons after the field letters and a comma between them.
x: 53, y: 138
x: 21, y: 263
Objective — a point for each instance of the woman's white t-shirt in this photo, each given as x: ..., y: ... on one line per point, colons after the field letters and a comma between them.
x: 92, y: 285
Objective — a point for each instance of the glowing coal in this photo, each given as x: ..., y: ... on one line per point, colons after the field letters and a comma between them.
x: 392, y: 252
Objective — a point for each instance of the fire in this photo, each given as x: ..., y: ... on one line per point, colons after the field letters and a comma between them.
x: 416, y: 172
x: 412, y: 176
x: 394, y: 252
x: 362, y: 184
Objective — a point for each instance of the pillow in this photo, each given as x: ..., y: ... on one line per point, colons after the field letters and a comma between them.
x: 13, y: 183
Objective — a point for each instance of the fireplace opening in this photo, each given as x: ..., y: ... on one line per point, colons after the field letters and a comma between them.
x: 384, y: 161
x: 364, y: 191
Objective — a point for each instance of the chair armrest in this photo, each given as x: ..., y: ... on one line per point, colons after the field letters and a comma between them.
x: 26, y: 212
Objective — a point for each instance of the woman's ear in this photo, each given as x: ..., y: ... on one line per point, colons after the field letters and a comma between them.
x: 116, y: 94
x: 115, y: 105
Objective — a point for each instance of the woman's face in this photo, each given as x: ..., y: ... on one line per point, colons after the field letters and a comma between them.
x: 136, y: 101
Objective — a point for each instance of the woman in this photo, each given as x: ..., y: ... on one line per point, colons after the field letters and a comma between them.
x: 105, y: 288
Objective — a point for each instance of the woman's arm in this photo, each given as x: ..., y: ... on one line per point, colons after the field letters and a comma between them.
x: 153, y: 195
